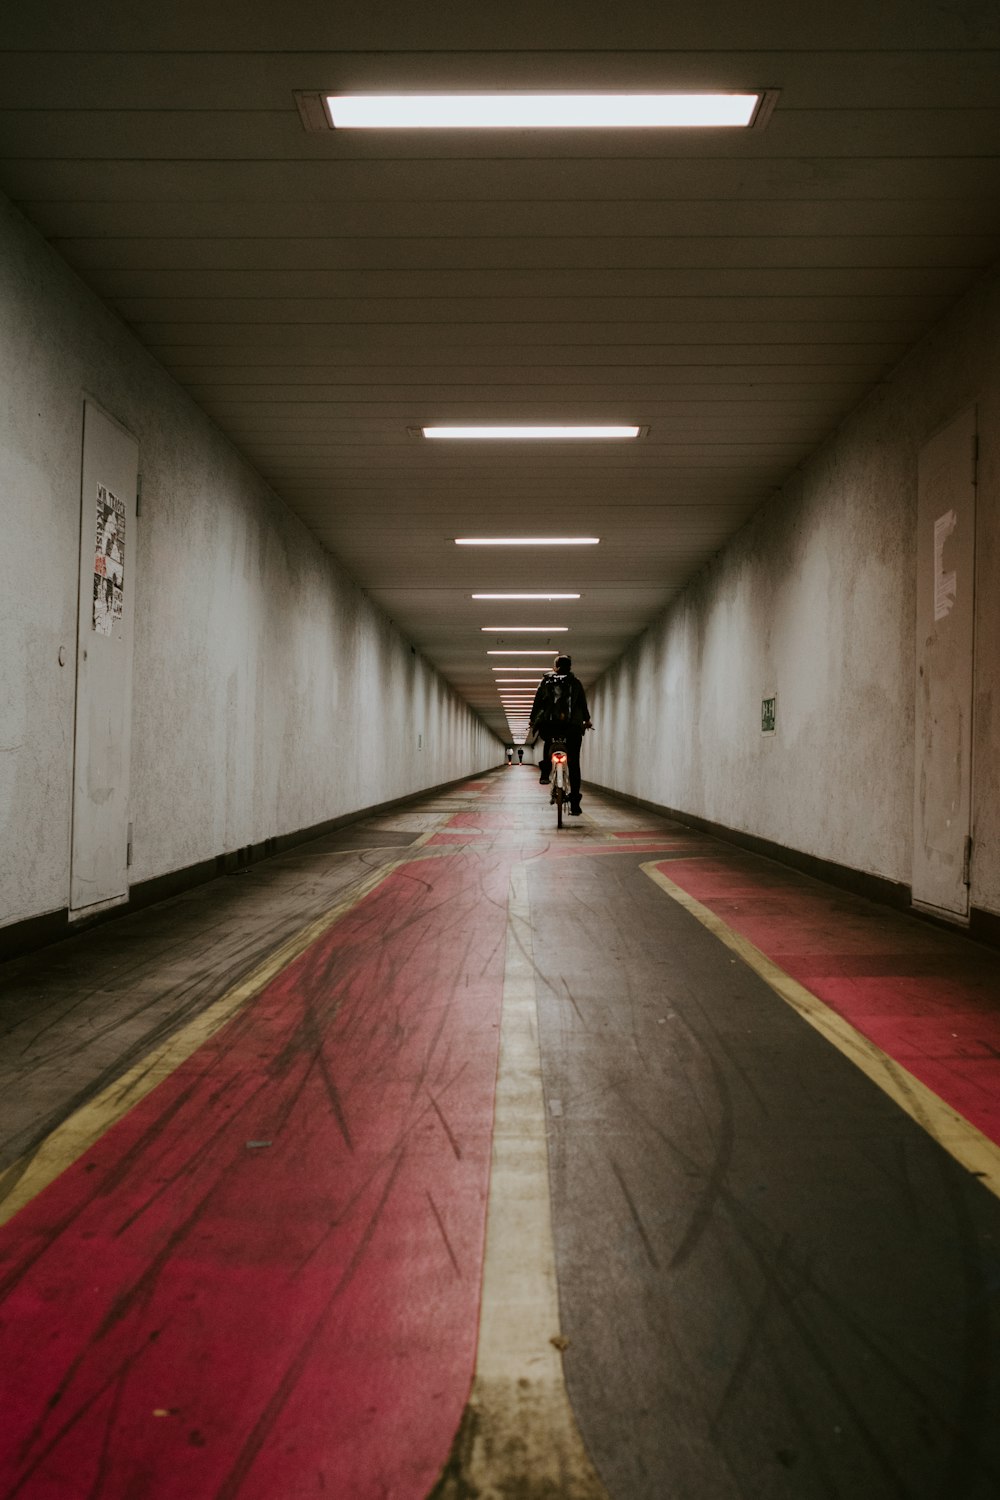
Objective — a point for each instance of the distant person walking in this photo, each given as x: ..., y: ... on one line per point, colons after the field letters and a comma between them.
x: 560, y: 712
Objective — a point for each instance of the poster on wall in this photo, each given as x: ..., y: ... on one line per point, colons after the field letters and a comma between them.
x: 945, y: 584
x: 109, y: 560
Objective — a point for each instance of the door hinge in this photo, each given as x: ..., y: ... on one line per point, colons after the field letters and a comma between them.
x: 138, y: 494
x: 128, y: 848
x: 967, y: 861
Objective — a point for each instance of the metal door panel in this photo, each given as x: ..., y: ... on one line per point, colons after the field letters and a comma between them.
x: 99, y: 864
x: 944, y: 654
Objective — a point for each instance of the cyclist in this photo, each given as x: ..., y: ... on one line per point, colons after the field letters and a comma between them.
x: 560, y: 711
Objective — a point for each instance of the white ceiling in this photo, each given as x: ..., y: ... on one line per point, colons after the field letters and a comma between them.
x: 318, y: 294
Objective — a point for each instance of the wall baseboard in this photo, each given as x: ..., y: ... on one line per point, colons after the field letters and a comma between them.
x: 983, y: 926
x: 19, y: 938
x: 32, y: 933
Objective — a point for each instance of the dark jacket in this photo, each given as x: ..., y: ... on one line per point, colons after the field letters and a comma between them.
x: 542, y: 722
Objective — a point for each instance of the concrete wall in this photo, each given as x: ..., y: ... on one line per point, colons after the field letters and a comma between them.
x: 269, y: 693
x: 815, y: 600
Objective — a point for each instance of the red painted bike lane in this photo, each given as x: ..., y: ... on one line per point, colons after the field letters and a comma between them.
x: 930, y: 999
x: 265, y: 1279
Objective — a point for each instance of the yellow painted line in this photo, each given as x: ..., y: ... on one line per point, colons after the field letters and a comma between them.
x: 26, y: 1178
x: 519, y: 1435
x: 951, y: 1130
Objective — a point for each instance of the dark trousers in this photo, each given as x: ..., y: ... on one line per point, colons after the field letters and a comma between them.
x: 573, y: 739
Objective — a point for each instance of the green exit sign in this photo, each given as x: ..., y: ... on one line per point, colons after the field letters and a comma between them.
x: 768, y: 711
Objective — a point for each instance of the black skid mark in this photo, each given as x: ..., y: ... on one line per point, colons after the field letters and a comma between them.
x: 233, y: 1483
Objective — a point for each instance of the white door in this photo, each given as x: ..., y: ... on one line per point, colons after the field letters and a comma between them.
x: 99, y: 864
x: 942, y: 812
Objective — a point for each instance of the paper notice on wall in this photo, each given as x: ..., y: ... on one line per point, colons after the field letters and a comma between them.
x: 945, y: 584
x: 109, y: 561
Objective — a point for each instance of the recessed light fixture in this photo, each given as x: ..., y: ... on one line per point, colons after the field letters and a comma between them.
x: 546, y: 598
x: 519, y: 653
x: 531, y: 432
x: 527, y: 541
x: 525, y: 629
x: 537, y: 670
x: 510, y: 111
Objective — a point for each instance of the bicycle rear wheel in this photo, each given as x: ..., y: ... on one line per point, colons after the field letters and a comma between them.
x: 559, y: 806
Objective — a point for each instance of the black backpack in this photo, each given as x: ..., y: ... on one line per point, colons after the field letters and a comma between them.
x: 555, y: 714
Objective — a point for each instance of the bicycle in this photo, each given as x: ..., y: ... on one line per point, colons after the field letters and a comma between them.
x: 559, y: 776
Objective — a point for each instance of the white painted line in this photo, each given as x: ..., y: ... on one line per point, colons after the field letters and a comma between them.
x: 519, y: 1436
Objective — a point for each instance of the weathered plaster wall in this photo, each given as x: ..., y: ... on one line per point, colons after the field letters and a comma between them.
x: 815, y: 600
x: 269, y: 693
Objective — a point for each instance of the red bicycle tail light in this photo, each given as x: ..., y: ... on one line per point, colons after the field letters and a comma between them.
x: 560, y: 757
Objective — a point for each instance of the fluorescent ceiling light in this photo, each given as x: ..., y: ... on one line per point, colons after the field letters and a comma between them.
x: 526, y: 541
x: 514, y: 681
x: 508, y: 111
x: 537, y: 670
x: 525, y: 629
x: 532, y: 431
x: 519, y: 653
x: 547, y: 598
